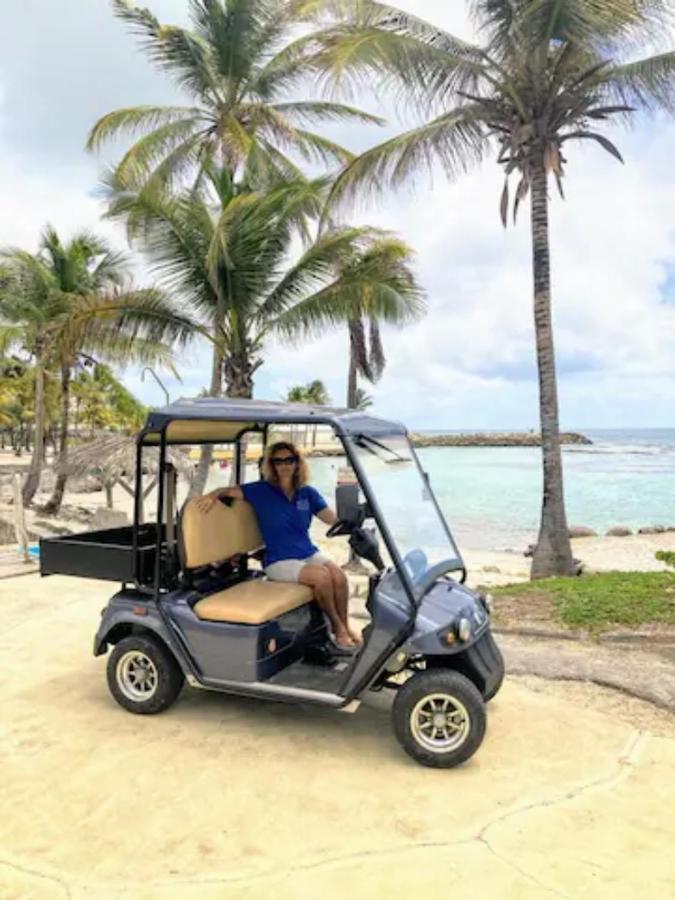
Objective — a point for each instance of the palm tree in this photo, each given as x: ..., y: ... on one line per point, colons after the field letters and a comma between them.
x: 67, y: 301
x: 363, y: 400
x: 238, y: 65
x: 314, y: 393
x: 225, y: 253
x: 547, y: 73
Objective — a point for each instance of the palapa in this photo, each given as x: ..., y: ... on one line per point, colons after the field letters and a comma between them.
x: 112, y: 458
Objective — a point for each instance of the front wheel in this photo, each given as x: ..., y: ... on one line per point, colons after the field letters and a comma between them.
x: 439, y: 718
x: 143, y: 675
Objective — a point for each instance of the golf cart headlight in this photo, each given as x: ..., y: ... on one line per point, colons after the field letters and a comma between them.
x: 464, y: 629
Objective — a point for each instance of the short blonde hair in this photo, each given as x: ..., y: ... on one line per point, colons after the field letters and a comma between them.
x: 301, y: 474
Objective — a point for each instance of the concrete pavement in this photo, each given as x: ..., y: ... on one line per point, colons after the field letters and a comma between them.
x: 571, y: 795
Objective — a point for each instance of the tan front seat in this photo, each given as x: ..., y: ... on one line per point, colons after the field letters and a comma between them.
x: 219, y: 534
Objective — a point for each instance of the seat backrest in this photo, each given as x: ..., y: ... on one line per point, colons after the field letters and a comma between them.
x: 218, y: 534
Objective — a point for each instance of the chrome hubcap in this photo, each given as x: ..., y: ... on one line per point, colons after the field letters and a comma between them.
x: 136, y: 675
x: 440, y: 723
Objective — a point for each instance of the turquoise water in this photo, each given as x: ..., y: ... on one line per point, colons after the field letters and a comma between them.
x: 491, y: 496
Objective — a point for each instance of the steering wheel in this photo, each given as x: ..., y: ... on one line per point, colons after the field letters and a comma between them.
x: 339, y: 529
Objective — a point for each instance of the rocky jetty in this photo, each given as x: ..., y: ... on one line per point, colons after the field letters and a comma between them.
x: 496, y: 439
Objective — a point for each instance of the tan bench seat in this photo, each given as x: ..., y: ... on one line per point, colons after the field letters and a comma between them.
x: 253, y: 602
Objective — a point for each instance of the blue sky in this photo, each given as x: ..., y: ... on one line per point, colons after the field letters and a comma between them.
x: 470, y: 362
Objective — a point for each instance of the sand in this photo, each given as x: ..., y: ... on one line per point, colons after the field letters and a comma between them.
x: 571, y: 795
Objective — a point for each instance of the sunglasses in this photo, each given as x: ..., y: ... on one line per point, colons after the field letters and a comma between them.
x: 284, y: 460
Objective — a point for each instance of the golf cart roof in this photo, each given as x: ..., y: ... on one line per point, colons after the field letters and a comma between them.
x: 216, y: 420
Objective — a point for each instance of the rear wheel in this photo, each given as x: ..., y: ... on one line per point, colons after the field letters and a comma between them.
x: 439, y: 718
x: 143, y: 675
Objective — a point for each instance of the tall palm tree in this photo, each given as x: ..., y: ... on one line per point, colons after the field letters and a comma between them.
x: 238, y: 66
x: 546, y: 74
x: 227, y: 254
x: 69, y: 300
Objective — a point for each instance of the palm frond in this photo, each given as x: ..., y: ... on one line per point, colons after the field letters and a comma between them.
x: 183, y: 54
x: 318, y: 264
x: 648, y: 83
x: 325, y: 111
x: 137, y: 120
x: 457, y: 140
x: 146, y: 153
x: 147, y: 314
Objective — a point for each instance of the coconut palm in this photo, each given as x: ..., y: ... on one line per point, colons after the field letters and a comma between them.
x: 237, y: 66
x: 314, y: 393
x: 67, y: 301
x: 547, y: 74
x: 226, y: 253
x: 363, y: 400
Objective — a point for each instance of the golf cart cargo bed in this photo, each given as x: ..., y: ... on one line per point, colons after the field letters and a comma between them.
x: 107, y: 555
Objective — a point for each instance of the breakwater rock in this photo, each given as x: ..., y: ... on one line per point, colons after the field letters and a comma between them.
x: 496, y: 439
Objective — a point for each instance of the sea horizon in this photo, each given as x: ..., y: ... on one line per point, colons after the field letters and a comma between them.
x: 491, y: 496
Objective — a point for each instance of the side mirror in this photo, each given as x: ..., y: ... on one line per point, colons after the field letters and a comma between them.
x: 365, y: 545
x: 347, y: 504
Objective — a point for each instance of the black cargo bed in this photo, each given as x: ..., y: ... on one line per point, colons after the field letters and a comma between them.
x: 107, y: 555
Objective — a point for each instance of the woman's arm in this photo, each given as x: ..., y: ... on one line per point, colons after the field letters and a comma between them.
x: 327, y: 515
x: 208, y: 501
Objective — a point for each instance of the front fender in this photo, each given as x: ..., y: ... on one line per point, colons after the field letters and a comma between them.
x: 440, y: 611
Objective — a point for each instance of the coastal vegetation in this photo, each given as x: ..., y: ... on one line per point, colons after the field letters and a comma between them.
x: 73, y: 302
x: 594, y: 603
x: 545, y: 75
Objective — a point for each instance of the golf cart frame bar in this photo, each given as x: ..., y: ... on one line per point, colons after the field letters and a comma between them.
x: 257, y: 417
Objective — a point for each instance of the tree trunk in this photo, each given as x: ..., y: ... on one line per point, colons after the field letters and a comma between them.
x: 204, y: 466
x: 553, y: 553
x: 239, y: 371
x: 37, y: 459
x: 55, y: 501
x: 352, y: 379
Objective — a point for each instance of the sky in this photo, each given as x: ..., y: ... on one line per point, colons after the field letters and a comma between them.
x: 470, y: 363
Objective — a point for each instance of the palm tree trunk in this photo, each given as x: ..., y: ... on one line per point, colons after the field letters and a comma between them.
x: 204, y: 466
x: 37, y: 459
x: 553, y: 553
x: 55, y: 501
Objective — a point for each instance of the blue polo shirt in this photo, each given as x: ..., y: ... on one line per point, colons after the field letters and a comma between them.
x: 284, y: 523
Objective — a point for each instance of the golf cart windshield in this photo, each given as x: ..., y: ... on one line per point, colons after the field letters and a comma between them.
x: 407, y: 505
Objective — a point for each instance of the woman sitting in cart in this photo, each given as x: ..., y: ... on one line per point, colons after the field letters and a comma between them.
x: 284, y: 504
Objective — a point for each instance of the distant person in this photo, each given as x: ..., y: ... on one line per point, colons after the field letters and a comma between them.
x: 284, y: 504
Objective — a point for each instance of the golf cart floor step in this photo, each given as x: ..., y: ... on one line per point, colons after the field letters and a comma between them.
x: 313, y: 677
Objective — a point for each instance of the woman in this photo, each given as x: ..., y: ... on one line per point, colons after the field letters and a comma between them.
x: 284, y: 505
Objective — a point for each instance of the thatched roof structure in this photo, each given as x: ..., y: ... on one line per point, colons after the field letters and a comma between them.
x: 113, y: 457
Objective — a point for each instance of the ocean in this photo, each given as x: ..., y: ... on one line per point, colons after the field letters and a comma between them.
x: 491, y: 495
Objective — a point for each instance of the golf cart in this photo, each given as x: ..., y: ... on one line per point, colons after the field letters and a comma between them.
x: 195, y: 604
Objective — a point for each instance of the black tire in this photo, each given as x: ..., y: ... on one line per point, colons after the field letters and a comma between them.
x: 161, y: 685
x: 464, y: 703
x: 490, y: 695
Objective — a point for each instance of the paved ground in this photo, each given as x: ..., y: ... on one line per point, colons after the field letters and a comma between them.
x: 648, y: 674
x: 572, y: 794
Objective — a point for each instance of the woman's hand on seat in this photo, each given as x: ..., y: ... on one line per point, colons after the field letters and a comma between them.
x: 206, y: 503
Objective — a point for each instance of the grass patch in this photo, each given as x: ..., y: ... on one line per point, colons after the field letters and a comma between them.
x: 595, y: 602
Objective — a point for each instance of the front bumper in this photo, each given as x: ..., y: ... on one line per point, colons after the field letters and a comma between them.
x: 484, y: 663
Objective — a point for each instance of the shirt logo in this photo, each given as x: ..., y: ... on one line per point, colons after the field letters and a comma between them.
x: 302, y: 505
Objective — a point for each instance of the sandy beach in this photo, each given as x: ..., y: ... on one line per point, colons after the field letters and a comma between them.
x: 485, y: 566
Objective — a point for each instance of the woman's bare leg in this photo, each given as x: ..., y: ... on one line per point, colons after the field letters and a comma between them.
x: 341, y: 593
x: 319, y: 579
